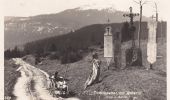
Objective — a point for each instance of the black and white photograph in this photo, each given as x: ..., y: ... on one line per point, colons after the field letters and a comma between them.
x: 85, y: 49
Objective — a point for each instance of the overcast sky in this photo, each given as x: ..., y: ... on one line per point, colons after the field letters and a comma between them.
x: 36, y: 7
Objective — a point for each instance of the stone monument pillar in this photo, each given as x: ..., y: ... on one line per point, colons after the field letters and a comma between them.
x: 108, y: 46
x: 151, y: 45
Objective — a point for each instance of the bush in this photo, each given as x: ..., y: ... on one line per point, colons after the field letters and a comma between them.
x: 70, y: 57
x: 54, y: 55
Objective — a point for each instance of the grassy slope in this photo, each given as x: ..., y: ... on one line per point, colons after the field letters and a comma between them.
x: 151, y: 83
x: 10, y: 76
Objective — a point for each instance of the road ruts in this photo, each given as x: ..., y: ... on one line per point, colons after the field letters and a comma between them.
x: 33, y: 83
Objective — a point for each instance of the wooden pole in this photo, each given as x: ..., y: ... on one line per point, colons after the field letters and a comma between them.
x: 140, y: 23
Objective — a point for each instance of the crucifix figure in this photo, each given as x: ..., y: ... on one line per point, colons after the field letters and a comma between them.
x: 133, y: 55
x: 131, y: 15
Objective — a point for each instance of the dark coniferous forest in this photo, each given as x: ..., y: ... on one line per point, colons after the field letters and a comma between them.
x: 71, y: 47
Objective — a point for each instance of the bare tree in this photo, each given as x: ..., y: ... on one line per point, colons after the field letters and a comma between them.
x: 141, y: 3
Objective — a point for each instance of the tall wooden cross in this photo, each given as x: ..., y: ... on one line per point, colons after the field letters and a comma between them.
x: 131, y: 15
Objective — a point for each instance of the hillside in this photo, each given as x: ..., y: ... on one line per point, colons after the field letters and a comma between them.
x: 151, y: 83
x: 78, y: 42
x: 42, y: 26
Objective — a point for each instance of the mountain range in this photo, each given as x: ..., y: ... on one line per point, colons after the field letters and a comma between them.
x: 20, y: 30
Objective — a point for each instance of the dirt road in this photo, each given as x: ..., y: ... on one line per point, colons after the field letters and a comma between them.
x: 33, y: 83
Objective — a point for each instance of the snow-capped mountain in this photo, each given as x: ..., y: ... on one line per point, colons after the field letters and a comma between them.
x: 20, y: 30
x: 109, y: 7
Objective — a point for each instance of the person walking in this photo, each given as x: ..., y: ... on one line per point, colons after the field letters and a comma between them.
x: 94, y: 76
